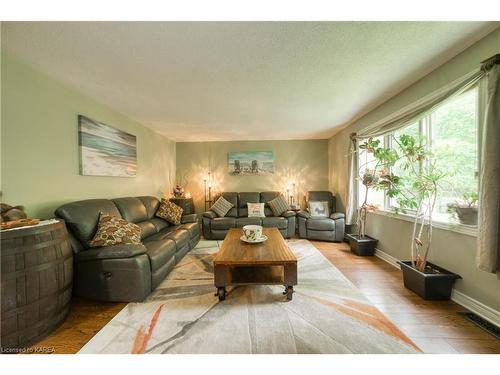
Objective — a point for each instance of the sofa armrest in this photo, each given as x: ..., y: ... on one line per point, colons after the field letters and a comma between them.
x: 190, y: 218
x: 337, y: 215
x: 304, y: 214
x: 210, y: 214
x: 288, y: 213
x: 110, y: 252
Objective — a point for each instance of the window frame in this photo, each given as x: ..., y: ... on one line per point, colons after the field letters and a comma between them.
x: 425, y: 124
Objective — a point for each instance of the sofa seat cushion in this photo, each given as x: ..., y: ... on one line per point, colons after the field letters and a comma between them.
x: 159, y: 223
x: 276, y: 222
x: 320, y: 223
x: 111, y: 252
x: 223, y: 223
x: 160, y: 252
x: 192, y: 228
x: 180, y: 236
x: 162, y: 233
x: 242, y: 221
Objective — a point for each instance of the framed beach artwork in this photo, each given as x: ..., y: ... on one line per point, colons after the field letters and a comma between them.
x: 251, y: 163
x: 105, y: 151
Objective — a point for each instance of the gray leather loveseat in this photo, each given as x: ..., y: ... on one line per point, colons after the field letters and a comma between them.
x: 330, y: 228
x: 216, y: 228
x: 125, y: 272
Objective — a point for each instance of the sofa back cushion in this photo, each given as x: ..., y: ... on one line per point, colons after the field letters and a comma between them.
x: 265, y: 197
x: 81, y: 217
x: 243, y: 199
x: 147, y: 228
x: 322, y: 196
x: 132, y: 209
x: 151, y: 204
x: 232, y: 198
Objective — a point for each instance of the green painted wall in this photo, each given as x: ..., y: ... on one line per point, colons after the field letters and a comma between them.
x: 302, y: 161
x: 451, y: 250
x: 40, y: 155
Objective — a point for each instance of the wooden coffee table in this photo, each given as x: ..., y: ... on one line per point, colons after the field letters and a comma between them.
x: 268, y: 263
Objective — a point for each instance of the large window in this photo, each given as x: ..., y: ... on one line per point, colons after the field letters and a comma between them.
x: 367, y: 161
x: 451, y: 133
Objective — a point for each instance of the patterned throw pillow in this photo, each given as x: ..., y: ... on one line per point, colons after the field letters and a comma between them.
x: 112, y: 230
x: 256, y: 210
x: 169, y: 211
x: 319, y: 209
x: 221, y: 207
x: 278, y: 205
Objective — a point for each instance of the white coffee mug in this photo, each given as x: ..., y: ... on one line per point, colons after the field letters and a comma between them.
x: 252, y: 232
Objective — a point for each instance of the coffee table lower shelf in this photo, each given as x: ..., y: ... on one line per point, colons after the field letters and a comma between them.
x: 234, y: 275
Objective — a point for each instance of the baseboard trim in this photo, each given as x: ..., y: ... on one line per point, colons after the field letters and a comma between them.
x: 476, y: 307
x: 471, y: 304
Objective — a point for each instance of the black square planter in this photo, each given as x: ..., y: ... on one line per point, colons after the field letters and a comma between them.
x: 362, y: 246
x: 429, y: 286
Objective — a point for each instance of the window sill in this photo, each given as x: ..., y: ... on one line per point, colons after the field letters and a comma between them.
x: 469, y: 230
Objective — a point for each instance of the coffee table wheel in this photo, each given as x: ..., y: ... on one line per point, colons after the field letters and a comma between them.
x: 288, y: 292
x: 221, y: 292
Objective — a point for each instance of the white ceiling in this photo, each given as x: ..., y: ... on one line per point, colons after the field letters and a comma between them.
x: 196, y: 81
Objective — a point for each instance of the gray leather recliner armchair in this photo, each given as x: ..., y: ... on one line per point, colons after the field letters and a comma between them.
x: 125, y: 273
x: 322, y: 228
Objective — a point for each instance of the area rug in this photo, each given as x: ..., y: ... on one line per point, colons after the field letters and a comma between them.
x: 328, y: 314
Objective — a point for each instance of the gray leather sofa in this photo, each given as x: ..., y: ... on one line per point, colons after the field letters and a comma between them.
x: 125, y: 273
x: 322, y: 228
x: 216, y: 228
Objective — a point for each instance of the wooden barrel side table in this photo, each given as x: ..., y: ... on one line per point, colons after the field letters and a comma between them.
x: 36, y: 282
x: 186, y: 204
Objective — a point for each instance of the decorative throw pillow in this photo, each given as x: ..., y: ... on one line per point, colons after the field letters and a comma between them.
x: 112, y: 230
x: 278, y: 205
x: 256, y: 210
x: 169, y: 211
x: 221, y: 207
x: 319, y: 209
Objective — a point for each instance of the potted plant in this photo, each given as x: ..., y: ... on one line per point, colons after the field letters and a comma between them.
x: 465, y: 209
x: 377, y: 177
x: 418, y: 191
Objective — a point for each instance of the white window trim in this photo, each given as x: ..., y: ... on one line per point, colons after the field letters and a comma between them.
x: 469, y: 230
x: 425, y: 127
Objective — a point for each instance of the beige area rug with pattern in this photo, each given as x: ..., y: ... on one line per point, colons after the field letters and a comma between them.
x: 328, y: 314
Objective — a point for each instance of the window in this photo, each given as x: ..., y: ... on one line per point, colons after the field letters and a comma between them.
x: 451, y: 133
x: 453, y: 141
x: 367, y: 161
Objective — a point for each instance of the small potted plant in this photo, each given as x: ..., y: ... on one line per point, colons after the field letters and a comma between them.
x: 465, y: 209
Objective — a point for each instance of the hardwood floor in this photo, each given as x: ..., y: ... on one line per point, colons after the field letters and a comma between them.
x: 434, y: 326
x: 85, y: 319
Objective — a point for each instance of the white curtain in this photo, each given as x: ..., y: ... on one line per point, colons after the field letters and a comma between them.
x: 488, y: 239
x: 420, y: 108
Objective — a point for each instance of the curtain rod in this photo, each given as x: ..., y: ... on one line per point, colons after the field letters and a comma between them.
x: 488, y: 63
